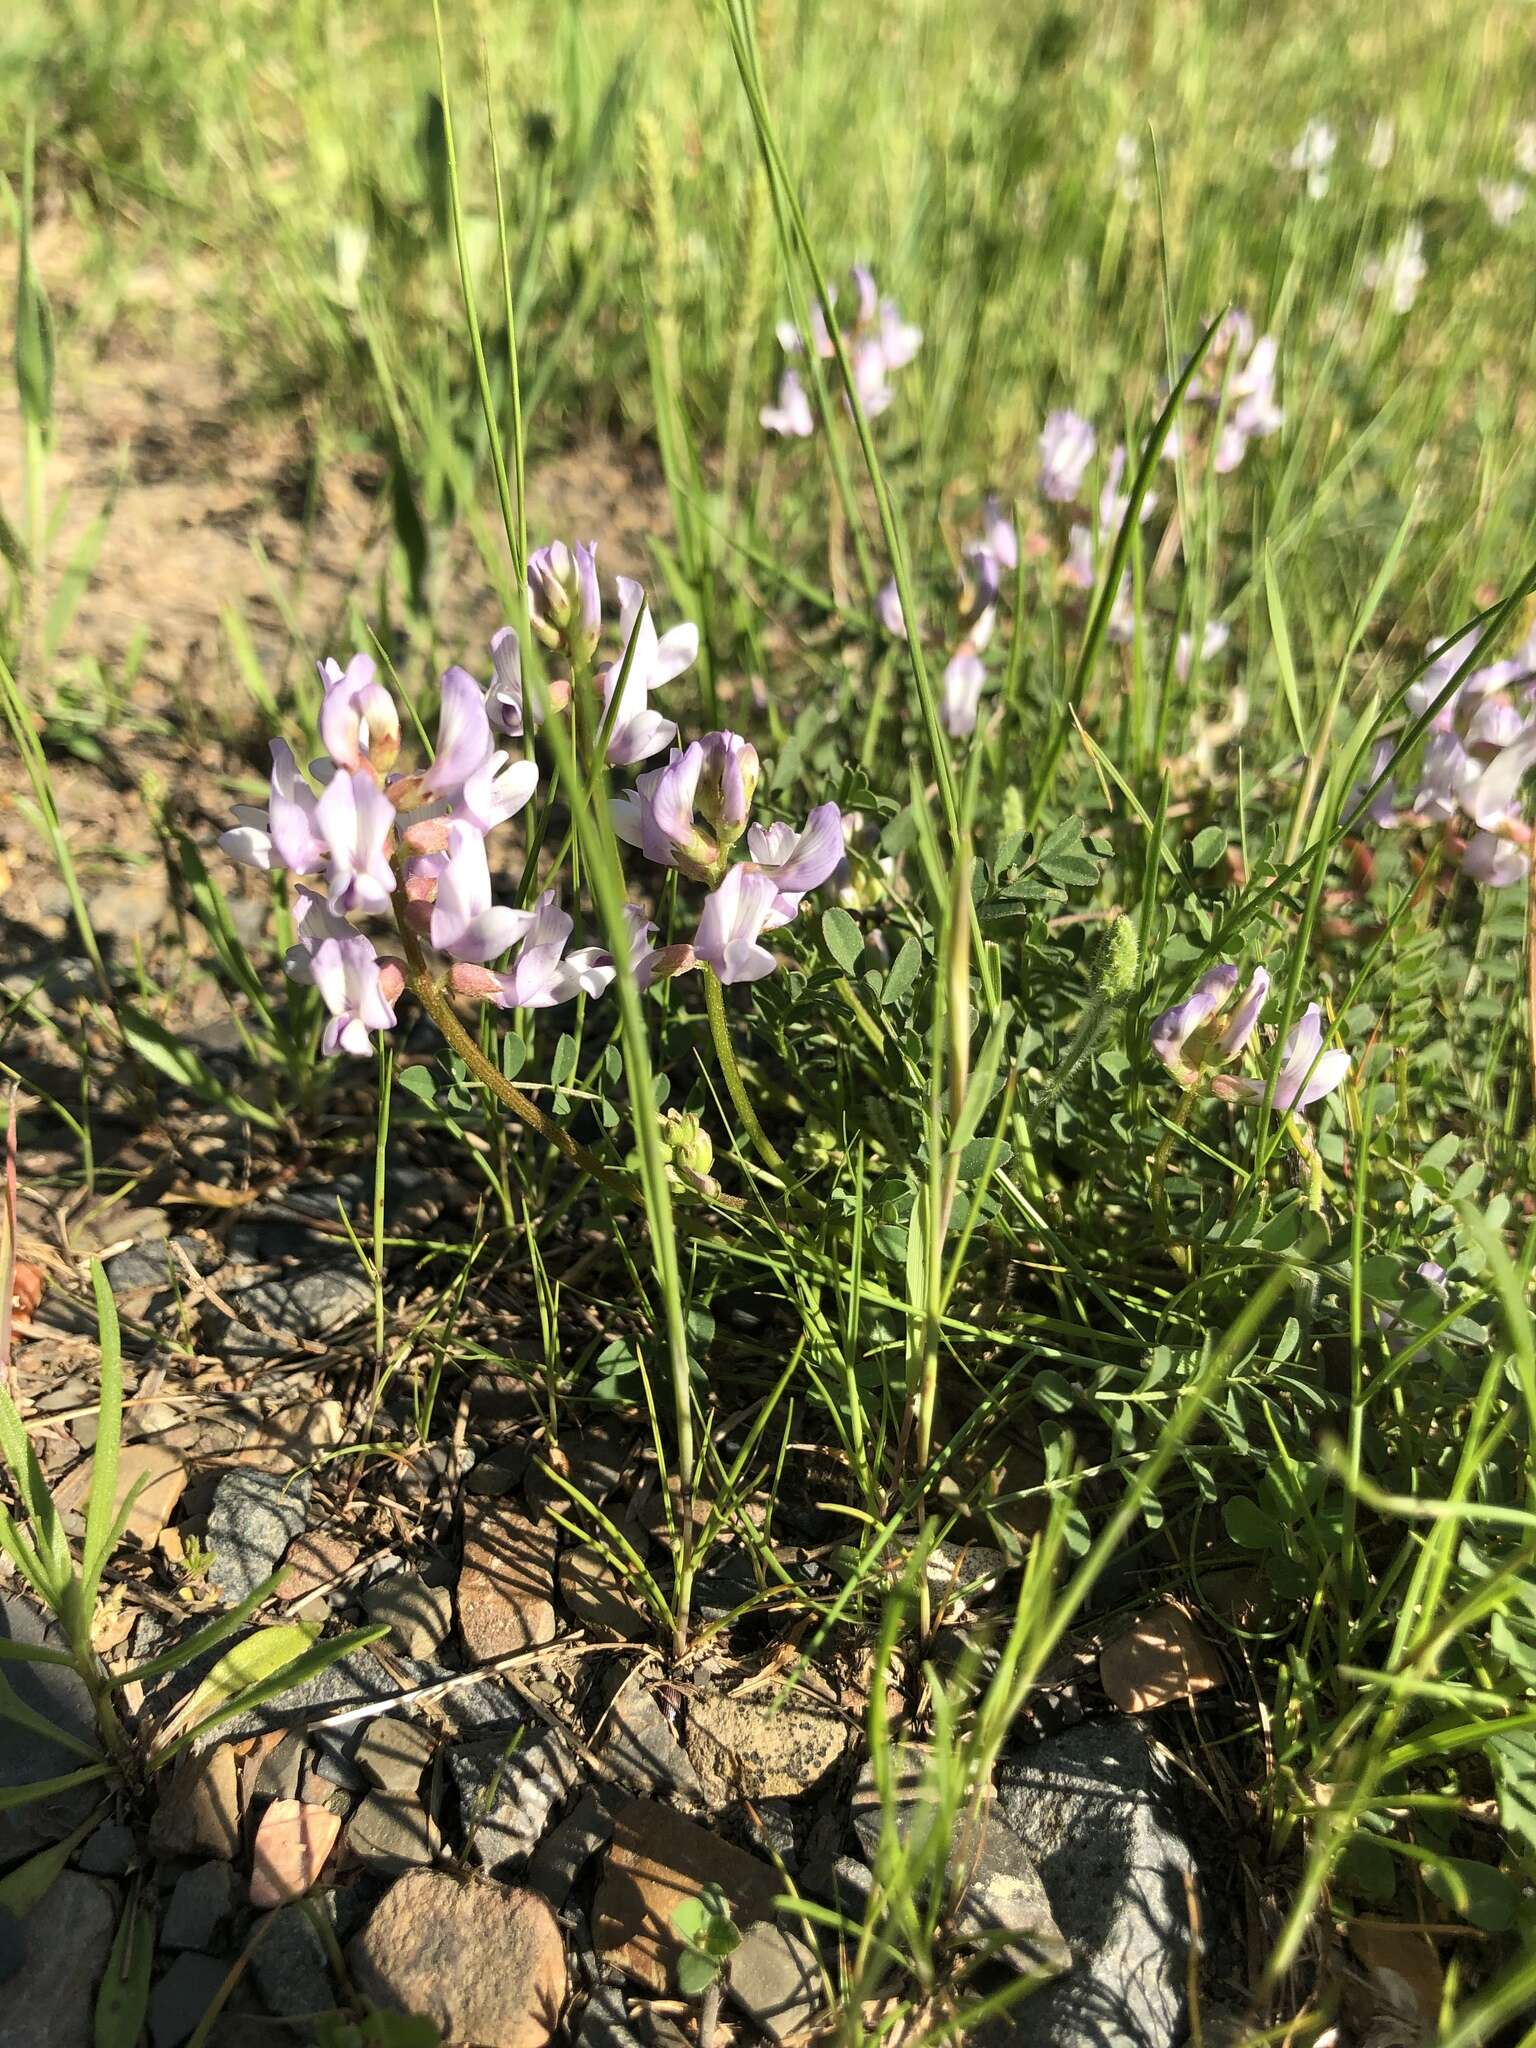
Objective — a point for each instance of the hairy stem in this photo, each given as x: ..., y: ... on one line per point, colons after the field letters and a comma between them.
x: 720, y: 1032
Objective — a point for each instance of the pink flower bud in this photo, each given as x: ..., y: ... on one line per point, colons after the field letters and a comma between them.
x: 467, y: 979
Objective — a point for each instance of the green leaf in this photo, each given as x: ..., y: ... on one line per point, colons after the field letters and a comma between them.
x: 1482, y: 1895
x: 167, y: 1055
x: 21, y: 1888
x: 695, y: 1973
x: 903, y: 975
x: 12, y: 1796
x: 20, y: 1715
x: 1208, y: 847
x: 101, y: 1506
x: 1248, y: 1525
x: 255, y: 1658
x: 417, y: 1081
x: 123, y: 2000
x: 1063, y: 857
x: 310, y: 1665
x: 562, y: 1068
x: 845, y: 942
x: 1514, y: 1766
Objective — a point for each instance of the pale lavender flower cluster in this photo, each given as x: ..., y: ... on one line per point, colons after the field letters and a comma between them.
x: 1481, y: 746
x: 987, y: 559
x: 689, y: 815
x: 1208, y: 1029
x: 877, y: 341
x: 1313, y: 155
x: 364, y: 839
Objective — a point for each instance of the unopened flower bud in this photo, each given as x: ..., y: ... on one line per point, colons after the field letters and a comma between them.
x: 727, y: 784
x: 426, y: 836
x: 1117, y: 961
x: 465, y: 978
x: 391, y: 981
x: 688, y: 1142
x: 565, y: 609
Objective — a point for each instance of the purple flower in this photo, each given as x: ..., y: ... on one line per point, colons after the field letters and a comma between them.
x: 1115, y: 503
x: 1212, y: 641
x: 1382, y: 809
x: 355, y: 818
x: 543, y: 974
x: 899, y: 340
x: 1066, y: 449
x: 504, y: 696
x: 1448, y: 776
x: 731, y: 923
x: 565, y: 606
x: 964, y: 675
x: 866, y: 359
x: 647, y: 962
x: 999, y: 534
x: 497, y: 790
x: 791, y: 416
x: 979, y: 610
x: 464, y: 739
x: 341, y: 963
x: 637, y: 732
x: 1496, y: 863
x: 727, y: 783
x: 1250, y: 395
x: 1172, y: 1031
x: 358, y: 719
x: 1077, y: 568
x: 888, y: 610
x: 1307, y: 1073
x: 797, y: 862
x: 465, y: 924
x: 1495, y: 724
x: 285, y: 835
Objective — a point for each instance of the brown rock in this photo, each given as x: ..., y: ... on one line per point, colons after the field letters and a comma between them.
x: 199, y: 1810
x: 658, y: 1859
x: 507, y: 1581
x: 744, y: 1749
x: 484, y: 1961
x: 313, y: 1560
x: 593, y: 1595
x: 163, y: 1471
x: 1163, y: 1658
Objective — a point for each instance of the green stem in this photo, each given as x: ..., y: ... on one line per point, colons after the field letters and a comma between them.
x: 720, y: 1032
x: 428, y: 992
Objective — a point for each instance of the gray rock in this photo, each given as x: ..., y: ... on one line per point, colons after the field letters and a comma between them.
x: 156, y: 1265
x: 50, y: 2001
x: 1000, y: 1890
x: 13, y: 1944
x: 254, y: 1518
x: 28, y: 1759
x: 605, y: 2024
x: 110, y: 1852
x: 418, y: 1615
x: 639, y: 1747
x: 289, y: 1966
x: 182, y: 1997
x: 775, y: 1978
x: 566, y: 1850
x: 278, y: 1777
x: 1091, y: 1807
x: 312, y: 1305
x: 393, y: 1754
x: 507, y: 1795
x: 390, y: 1833
x: 201, y: 1907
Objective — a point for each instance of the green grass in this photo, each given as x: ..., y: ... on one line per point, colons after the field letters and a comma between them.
x: 1000, y: 1269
